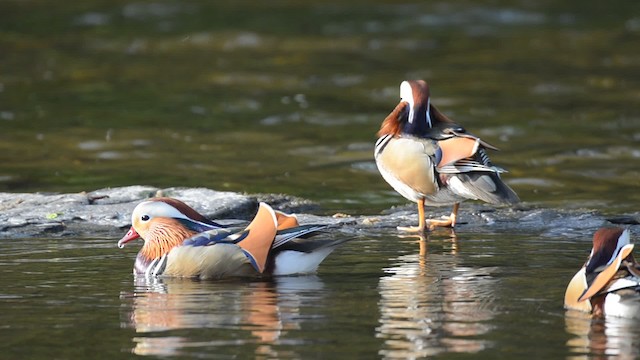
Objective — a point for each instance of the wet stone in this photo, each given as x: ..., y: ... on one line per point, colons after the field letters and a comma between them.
x: 107, y: 212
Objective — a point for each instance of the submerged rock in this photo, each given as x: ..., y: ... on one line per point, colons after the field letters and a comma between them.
x: 106, y: 212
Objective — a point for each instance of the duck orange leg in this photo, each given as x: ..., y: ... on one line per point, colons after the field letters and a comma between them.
x: 422, y: 223
x: 449, y: 221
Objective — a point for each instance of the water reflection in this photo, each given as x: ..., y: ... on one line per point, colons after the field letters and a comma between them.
x: 602, y: 338
x: 431, y: 303
x: 257, y: 312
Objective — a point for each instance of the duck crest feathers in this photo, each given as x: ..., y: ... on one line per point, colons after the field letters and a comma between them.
x: 610, y: 247
x: 183, y: 208
x: 438, y: 116
x: 605, y: 241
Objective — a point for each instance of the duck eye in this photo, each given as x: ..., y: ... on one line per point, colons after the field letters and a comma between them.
x: 144, y: 218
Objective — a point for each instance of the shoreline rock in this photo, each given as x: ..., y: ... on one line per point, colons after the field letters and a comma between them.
x: 106, y: 212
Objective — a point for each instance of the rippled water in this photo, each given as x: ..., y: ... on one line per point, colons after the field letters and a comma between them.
x: 483, y: 296
x: 286, y: 97
x: 194, y: 94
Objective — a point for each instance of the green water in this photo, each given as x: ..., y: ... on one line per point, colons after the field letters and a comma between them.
x: 286, y: 97
x: 376, y: 297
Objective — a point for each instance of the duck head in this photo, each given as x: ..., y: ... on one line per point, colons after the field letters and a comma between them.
x: 414, y: 115
x: 164, y: 223
x: 610, y: 247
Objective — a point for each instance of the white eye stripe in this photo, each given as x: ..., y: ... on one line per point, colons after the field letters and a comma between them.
x: 153, y: 209
x: 406, y: 94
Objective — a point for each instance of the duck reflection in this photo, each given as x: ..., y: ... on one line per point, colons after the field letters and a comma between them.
x: 256, y: 312
x: 600, y: 338
x: 430, y: 303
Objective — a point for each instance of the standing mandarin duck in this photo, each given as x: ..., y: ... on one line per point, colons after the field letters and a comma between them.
x: 609, y: 282
x: 431, y: 160
x: 178, y: 241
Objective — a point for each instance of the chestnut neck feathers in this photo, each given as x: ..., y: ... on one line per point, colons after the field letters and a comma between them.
x: 165, y: 223
x: 392, y: 124
x: 162, y: 236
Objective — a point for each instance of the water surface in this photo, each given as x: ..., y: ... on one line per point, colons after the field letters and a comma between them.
x: 476, y: 296
x: 166, y: 93
x: 286, y: 96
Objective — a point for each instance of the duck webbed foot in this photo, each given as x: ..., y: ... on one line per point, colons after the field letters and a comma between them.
x: 446, y: 221
x: 412, y: 229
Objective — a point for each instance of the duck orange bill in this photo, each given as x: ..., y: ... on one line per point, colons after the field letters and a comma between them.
x: 129, y: 236
x: 607, y: 274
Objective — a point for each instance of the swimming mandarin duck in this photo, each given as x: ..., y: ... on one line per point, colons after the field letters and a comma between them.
x: 609, y: 282
x: 178, y: 241
x: 429, y: 159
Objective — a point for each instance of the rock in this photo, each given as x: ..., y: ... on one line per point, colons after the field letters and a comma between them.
x: 107, y: 213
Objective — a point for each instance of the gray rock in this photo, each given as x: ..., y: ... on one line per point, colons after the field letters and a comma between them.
x: 107, y: 212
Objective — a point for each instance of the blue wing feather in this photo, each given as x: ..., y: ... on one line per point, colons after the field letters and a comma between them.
x: 198, y: 226
x: 284, y: 236
x: 215, y: 237
x: 252, y: 260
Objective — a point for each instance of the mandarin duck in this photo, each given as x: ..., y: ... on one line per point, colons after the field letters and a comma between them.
x: 180, y: 242
x: 609, y: 282
x: 429, y: 159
